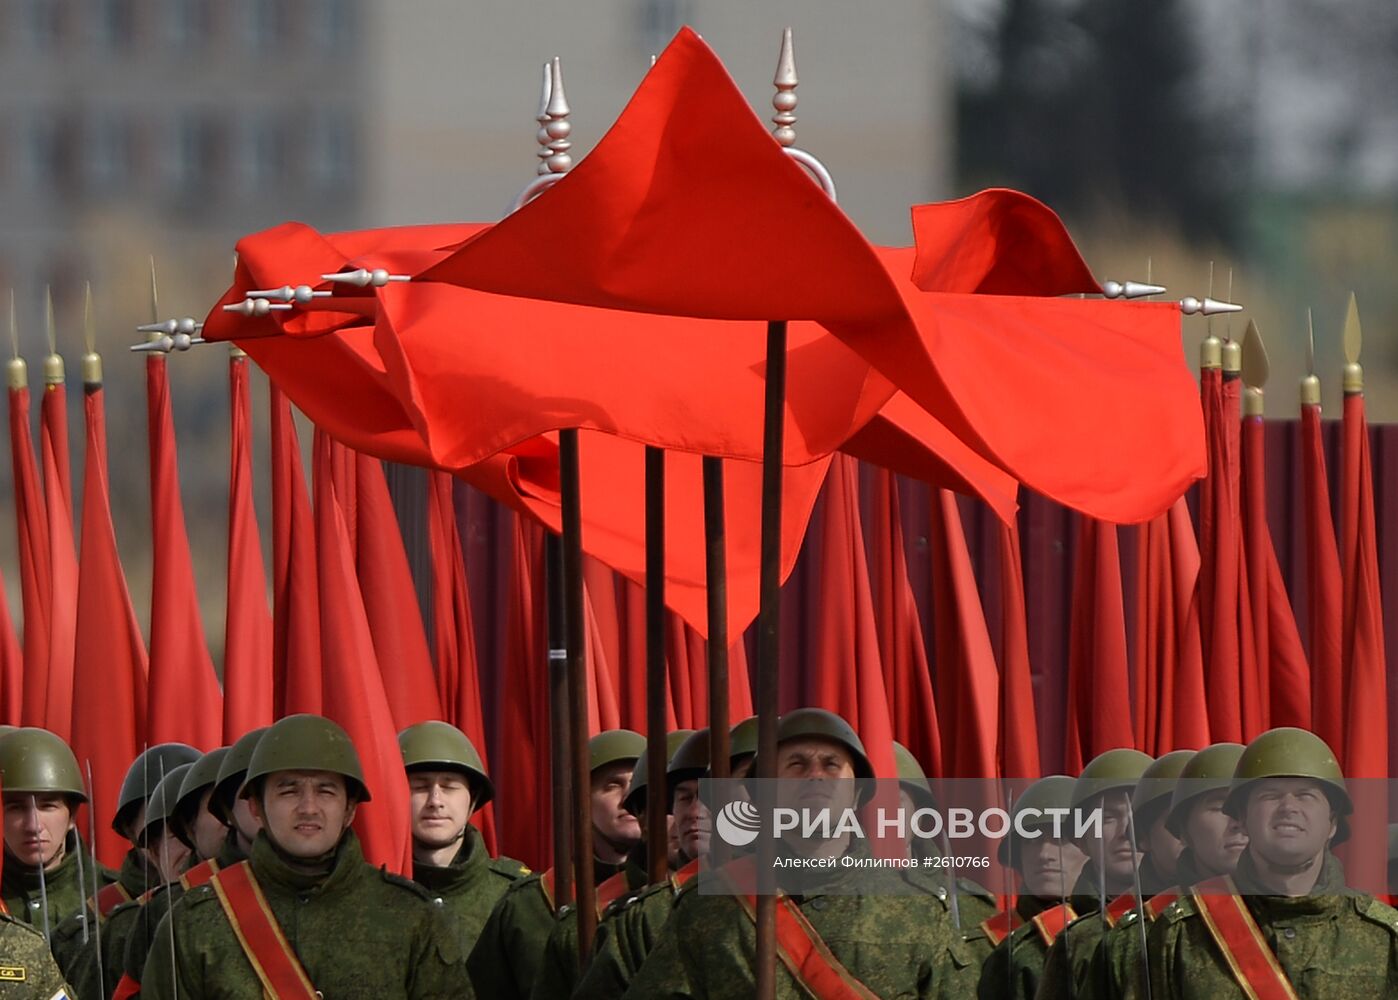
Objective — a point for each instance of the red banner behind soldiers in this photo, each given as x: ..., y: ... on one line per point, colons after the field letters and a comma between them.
x: 62, y: 556
x: 1019, y: 730
x: 295, y: 583
x: 1324, y: 588
x: 1099, y: 691
x: 1365, y: 666
x: 35, y: 578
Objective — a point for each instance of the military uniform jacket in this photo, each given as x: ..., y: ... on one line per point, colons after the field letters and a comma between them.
x: 470, y: 886
x: 27, y: 968
x: 960, y: 969
x: 360, y: 934
x: 1331, y: 946
x: 1069, y: 962
x: 1014, y: 966
x: 23, y: 896
x: 1118, y: 969
x: 78, y: 959
x: 558, y: 966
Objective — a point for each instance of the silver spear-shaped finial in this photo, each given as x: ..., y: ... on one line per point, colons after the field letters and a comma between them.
x: 164, y: 336
x: 784, y: 101
x: 1130, y: 289
x: 555, y: 160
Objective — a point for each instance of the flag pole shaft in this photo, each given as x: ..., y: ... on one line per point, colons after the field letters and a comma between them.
x: 716, y: 581
x: 768, y: 620
x: 657, y: 831
x: 585, y: 889
x: 559, y: 728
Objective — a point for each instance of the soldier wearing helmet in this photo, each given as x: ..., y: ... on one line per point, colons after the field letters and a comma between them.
x: 1284, y: 924
x: 224, y: 800
x: 305, y: 913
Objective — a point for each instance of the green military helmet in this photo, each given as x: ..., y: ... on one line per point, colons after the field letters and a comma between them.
x: 1209, y: 770
x: 306, y: 743
x: 201, y: 776
x: 804, y: 723
x: 1052, y: 792
x: 440, y: 746
x: 161, y: 804
x: 1153, y: 792
x: 614, y: 745
x: 142, y: 777
x: 37, y: 761
x: 1112, y: 771
x: 689, y: 761
x: 231, y: 772
x: 634, y: 801
x: 1291, y: 753
x: 742, y: 741
x: 911, y: 777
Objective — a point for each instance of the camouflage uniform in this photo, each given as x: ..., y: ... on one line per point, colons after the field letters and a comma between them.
x: 1015, y: 965
x: 69, y: 949
x: 20, y: 888
x: 558, y: 968
x: 27, y: 968
x: 470, y: 886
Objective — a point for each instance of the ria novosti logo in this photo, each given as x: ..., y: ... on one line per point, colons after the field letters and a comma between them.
x: 738, y: 823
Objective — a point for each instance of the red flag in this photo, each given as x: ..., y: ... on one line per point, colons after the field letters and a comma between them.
x: 184, y: 702
x: 62, y: 556
x: 247, y: 634
x: 1365, y: 667
x: 353, y: 687
x: 966, y: 680
x: 295, y: 586
x: 109, y: 674
x: 35, y: 576
x: 458, y: 675
x: 1099, y: 690
x: 902, y: 648
x: 1324, y: 589
x: 390, y: 599
x: 1019, y: 728
x: 11, y: 665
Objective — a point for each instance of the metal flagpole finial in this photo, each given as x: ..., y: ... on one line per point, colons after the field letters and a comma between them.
x: 1130, y: 289
x: 543, y: 119
x: 784, y: 100
x: 16, y: 371
x: 164, y: 336
x: 1256, y: 370
x: 92, y: 361
x: 300, y: 294
x: 360, y: 278
x: 1310, y: 384
x: 558, y: 127
x: 53, y: 364
x: 1353, y: 339
x: 1206, y: 306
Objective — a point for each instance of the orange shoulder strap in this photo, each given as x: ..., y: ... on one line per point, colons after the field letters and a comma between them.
x: 999, y: 927
x: 1157, y: 903
x: 108, y: 898
x: 611, y: 890
x: 546, y: 885
x: 264, y: 944
x: 199, y: 874
x: 1050, y: 923
x: 1238, y: 937
x: 1119, y: 908
x: 807, y: 957
x: 685, y: 875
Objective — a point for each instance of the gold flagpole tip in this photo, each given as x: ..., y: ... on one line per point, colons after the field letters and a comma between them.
x: 1256, y: 370
x: 1232, y: 357
x: 16, y: 371
x: 1353, y: 339
x: 53, y: 364
x: 92, y: 361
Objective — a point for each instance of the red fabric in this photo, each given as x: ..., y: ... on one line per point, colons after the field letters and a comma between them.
x: 1284, y: 676
x: 35, y: 575
x: 390, y: 598
x: 296, y: 611
x: 353, y: 688
x: 247, y: 634
x: 63, y: 558
x: 109, y: 672
x: 184, y: 703
x: 1324, y: 589
x: 1365, y: 668
x: 965, y: 678
x: 1099, y: 691
x: 902, y: 649
x: 11, y: 665
x: 454, y: 636
x: 1019, y: 730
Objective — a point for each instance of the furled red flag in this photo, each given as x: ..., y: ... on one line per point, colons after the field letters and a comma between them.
x: 1099, y: 685
x: 35, y: 576
x: 109, y: 674
x: 902, y: 648
x: 603, y: 710
x: 62, y: 554
x: 599, y: 584
x: 631, y: 643
x: 1324, y: 587
x: 453, y: 632
x: 247, y: 632
x: 390, y: 599
x: 184, y: 703
x: 1019, y: 728
x: 352, y: 686
x: 965, y: 678
x: 295, y: 586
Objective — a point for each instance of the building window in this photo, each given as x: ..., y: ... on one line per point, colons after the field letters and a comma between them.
x: 265, y: 23
x: 329, y: 148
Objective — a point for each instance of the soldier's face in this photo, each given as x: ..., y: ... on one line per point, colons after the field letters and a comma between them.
x: 304, y: 812
x: 819, y: 775
x: 1050, y: 867
x: 245, y: 822
x: 692, y: 820
x: 208, y: 832
x: 1216, y: 839
x: 441, y: 807
x: 613, y: 823
x: 169, y: 854
x: 1288, y: 821
x: 36, y: 827
x: 1114, y: 851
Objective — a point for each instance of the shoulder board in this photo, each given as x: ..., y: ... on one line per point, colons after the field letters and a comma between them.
x: 6, y: 918
x: 126, y: 907
x: 1377, y: 911
x: 509, y: 868
x: 1178, y: 910
x: 1051, y: 922
x: 1119, y: 907
x: 998, y: 927
x: 1157, y: 903
x: 199, y: 894
x: 393, y: 878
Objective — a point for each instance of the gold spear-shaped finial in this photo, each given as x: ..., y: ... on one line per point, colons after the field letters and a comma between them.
x: 92, y: 361
x: 16, y: 371
x: 1232, y: 350
x: 1310, y: 385
x: 53, y: 364
x: 1353, y: 341
x: 1256, y: 370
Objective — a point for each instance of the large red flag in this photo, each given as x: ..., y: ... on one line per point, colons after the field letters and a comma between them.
x: 109, y: 673
x: 62, y: 555
x: 353, y: 687
x: 965, y: 679
x: 1324, y: 587
x: 295, y: 587
x: 1099, y: 687
x: 390, y: 599
x: 35, y: 576
x: 184, y: 703
x: 1019, y: 729
x: 247, y: 633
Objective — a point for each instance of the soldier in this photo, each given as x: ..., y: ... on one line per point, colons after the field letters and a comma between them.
x: 1046, y: 865
x: 868, y: 929
x: 447, y: 784
x: 1106, y: 889
x: 1284, y: 924
x: 27, y: 968
x: 506, y: 957
x: 42, y: 789
x: 224, y: 801
x: 742, y: 747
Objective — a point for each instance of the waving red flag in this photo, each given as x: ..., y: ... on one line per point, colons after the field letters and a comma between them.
x: 1019, y: 728
x: 1324, y: 587
x: 295, y: 582
x: 184, y: 703
x: 35, y: 575
x: 109, y: 673
x: 62, y: 557
x: 1099, y: 690
x: 247, y: 634
x: 353, y: 687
